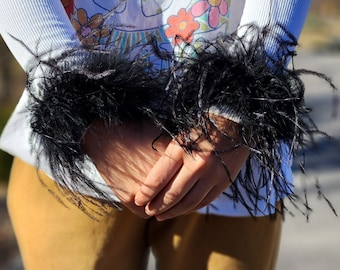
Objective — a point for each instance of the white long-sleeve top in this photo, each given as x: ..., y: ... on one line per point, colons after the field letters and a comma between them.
x: 45, y: 26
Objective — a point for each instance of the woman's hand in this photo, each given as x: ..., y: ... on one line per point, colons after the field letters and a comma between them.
x: 180, y: 183
x: 123, y: 155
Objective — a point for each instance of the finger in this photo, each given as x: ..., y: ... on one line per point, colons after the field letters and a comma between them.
x: 193, y: 167
x: 202, y: 193
x: 161, y: 174
x: 193, y: 198
x: 173, y: 193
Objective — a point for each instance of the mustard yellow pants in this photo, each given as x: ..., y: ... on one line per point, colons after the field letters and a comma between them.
x: 54, y: 236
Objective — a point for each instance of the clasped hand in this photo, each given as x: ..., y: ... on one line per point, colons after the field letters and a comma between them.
x: 165, y: 183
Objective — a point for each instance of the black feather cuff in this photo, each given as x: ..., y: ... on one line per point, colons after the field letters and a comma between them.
x: 75, y: 89
x: 232, y: 76
x: 237, y: 78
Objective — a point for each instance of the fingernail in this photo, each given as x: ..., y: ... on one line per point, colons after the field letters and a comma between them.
x: 143, y: 196
x: 140, y: 199
x: 139, y: 202
x: 151, y: 211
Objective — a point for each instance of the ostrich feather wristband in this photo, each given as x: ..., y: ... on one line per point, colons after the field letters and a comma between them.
x: 73, y: 90
x: 232, y: 76
x: 237, y: 78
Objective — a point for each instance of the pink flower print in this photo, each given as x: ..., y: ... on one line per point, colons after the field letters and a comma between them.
x: 215, y: 9
x: 181, y: 27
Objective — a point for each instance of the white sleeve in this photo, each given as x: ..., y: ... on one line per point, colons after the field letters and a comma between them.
x: 41, y: 25
x: 291, y: 14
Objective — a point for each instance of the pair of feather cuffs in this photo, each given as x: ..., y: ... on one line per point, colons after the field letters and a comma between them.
x: 232, y: 76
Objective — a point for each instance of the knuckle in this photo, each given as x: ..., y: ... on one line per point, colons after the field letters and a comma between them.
x: 170, y: 197
x: 154, y: 181
x: 148, y: 190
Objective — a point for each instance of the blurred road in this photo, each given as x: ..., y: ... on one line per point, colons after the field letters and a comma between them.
x: 311, y: 245
x: 315, y: 245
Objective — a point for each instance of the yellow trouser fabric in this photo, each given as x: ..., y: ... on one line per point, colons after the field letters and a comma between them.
x: 52, y: 235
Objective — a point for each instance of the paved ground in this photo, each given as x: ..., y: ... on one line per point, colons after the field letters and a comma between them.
x: 311, y: 245
x: 316, y: 245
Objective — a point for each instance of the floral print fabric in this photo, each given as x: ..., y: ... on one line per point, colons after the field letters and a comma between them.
x: 129, y: 23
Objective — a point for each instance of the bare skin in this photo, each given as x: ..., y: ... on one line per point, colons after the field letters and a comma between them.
x: 123, y: 155
x: 168, y: 182
x: 180, y: 183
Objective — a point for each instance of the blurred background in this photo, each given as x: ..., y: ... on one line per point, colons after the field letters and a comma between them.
x: 312, y: 244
